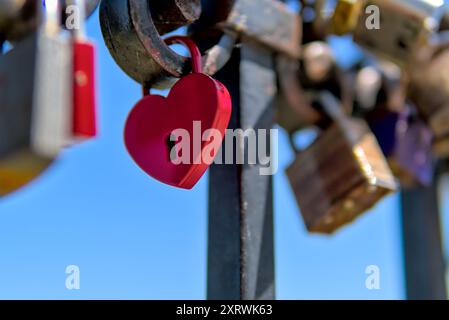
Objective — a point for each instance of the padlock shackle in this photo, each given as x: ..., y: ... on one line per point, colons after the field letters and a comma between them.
x: 197, y: 66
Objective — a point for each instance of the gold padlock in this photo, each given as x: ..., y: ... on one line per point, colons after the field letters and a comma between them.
x: 345, y: 16
x: 341, y: 175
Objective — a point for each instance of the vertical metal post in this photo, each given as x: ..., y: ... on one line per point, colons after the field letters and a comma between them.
x: 240, y: 252
x: 425, y: 267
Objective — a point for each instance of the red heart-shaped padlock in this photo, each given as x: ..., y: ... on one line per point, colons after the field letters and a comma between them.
x: 195, y: 104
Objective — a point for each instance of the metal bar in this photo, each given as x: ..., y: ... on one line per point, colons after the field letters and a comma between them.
x: 223, y: 278
x: 425, y: 268
x: 241, y: 253
x: 258, y: 89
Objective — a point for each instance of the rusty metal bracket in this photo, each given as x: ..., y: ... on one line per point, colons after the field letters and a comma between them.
x: 133, y: 36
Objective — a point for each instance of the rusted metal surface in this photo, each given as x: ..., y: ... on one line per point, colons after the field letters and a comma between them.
x: 133, y: 37
x: 169, y: 15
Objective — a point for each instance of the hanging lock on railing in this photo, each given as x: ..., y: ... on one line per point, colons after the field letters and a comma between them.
x: 84, y: 113
x: 197, y: 104
x: 397, y: 29
x: 342, y: 174
x: 407, y: 143
x: 345, y: 16
x: 35, y: 101
x: 404, y: 138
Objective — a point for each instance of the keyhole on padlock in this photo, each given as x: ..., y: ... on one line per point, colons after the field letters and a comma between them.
x: 402, y: 44
x: 171, y: 143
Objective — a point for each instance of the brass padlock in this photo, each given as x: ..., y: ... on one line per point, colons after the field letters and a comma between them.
x: 396, y: 29
x: 404, y: 138
x: 345, y: 16
x: 341, y: 175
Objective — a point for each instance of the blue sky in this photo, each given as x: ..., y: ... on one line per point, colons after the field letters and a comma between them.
x: 134, y: 238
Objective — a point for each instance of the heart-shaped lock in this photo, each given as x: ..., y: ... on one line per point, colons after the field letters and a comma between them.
x: 198, y: 106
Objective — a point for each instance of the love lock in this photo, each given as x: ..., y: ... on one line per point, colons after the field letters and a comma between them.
x: 132, y: 30
x: 150, y: 131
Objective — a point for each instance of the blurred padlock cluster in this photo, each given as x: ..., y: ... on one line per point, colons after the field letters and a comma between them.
x: 396, y: 91
x: 382, y: 124
x: 47, y: 89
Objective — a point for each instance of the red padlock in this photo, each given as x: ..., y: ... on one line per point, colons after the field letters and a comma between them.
x: 84, y: 97
x: 198, y: 105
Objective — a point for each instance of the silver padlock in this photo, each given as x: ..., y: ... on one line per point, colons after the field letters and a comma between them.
x: 52, y: 98
x: 35, y: 86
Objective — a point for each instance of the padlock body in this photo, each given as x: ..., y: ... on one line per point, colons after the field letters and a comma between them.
x: 35, y: 105
x: 345, y: 16
x: 407, y: 144
x: 52, y: 99
x: 19, y: 162
x: 196, y: 101
x: 403, y: 29
x: 341, y: 175
x: 84, y: 91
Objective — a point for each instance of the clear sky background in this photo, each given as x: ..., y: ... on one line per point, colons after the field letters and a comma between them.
x: 134, y: 238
